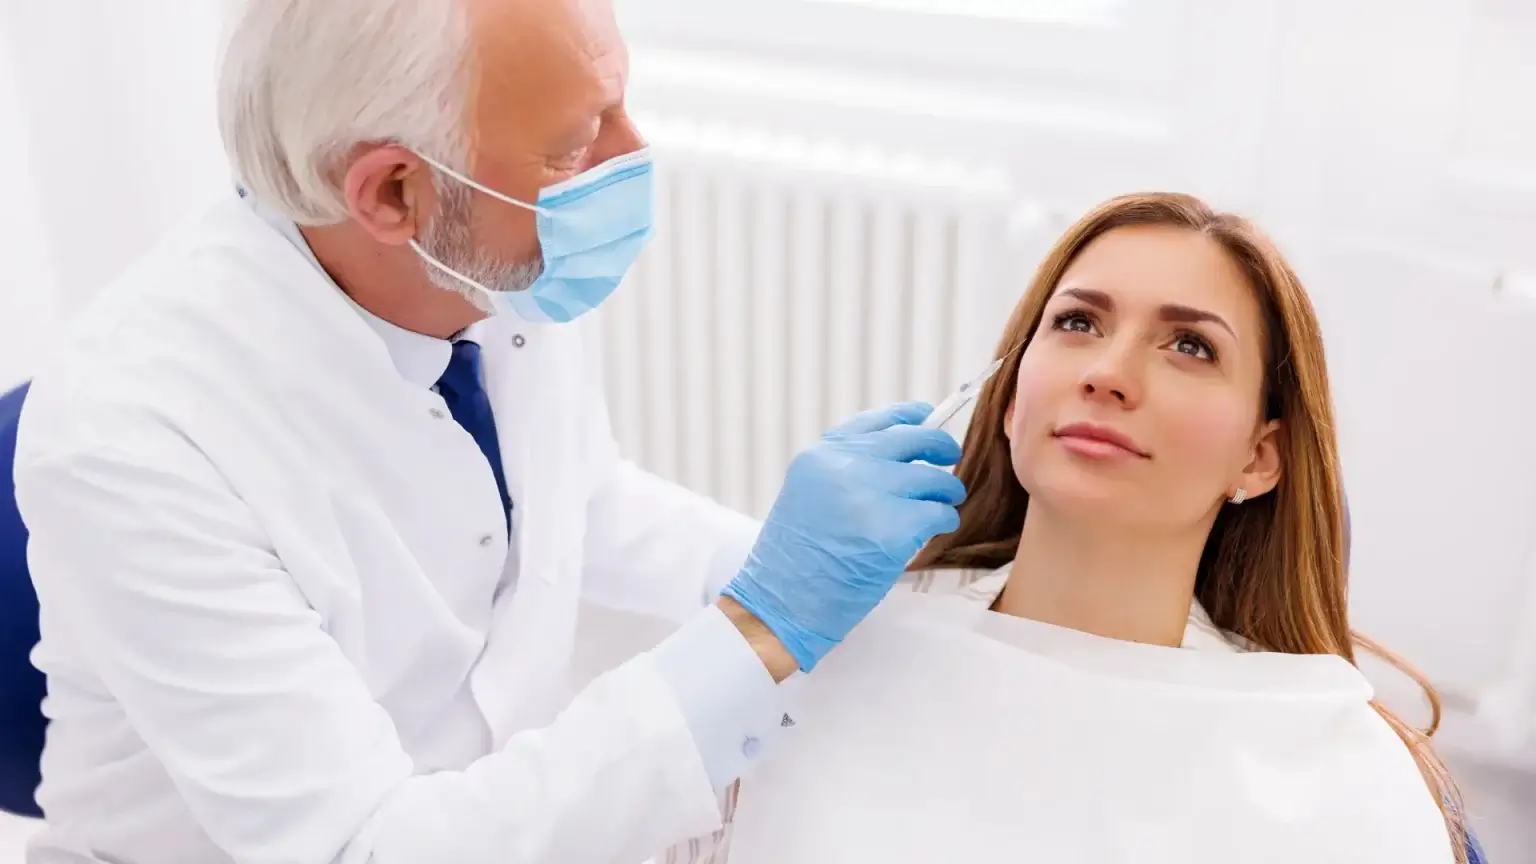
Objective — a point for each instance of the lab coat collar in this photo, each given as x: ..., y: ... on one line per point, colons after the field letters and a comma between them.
x: 420, y: 359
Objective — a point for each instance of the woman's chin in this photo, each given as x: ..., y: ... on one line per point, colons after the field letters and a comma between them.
x: 1086, y: 496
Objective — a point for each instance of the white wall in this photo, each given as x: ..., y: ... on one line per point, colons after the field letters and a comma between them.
x: 28, y: 307
x: 108, y: 107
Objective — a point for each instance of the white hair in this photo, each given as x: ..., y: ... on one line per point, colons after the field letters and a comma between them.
x: 304, y: 82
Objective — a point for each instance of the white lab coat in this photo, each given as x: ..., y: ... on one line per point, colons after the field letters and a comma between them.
x: 279, y: 616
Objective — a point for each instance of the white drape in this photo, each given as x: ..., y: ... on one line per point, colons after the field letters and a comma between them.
x: 107, y: 128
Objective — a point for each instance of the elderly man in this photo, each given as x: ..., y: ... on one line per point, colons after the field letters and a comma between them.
x: 314, y: 489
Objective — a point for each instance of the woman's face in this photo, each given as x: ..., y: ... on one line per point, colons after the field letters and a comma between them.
x: 1138, y: 399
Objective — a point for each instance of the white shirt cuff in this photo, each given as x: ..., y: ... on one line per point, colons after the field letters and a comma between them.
x: 731, y: 703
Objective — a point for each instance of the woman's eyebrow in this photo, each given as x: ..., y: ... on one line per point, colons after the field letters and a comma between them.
x: 1176, y: 313
x: 1096, y: 299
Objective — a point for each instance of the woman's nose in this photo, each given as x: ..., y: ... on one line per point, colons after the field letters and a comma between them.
x: 1113, y: 377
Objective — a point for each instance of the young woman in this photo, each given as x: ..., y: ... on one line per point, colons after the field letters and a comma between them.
x: 1158, y: 464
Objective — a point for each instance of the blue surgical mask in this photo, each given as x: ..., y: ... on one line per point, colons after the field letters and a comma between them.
x: 591, y: 229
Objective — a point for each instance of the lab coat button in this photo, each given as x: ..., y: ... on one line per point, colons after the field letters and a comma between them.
x: 518, y: 341
x: 751, y: 747
x: 437, y: 413
x: 486, y: 540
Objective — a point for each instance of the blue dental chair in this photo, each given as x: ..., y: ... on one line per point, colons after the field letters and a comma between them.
x: 21, y: 685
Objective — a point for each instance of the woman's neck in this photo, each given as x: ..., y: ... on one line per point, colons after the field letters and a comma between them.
x: 1102, y: 579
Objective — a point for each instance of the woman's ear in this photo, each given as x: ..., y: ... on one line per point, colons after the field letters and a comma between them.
x: 1262, y: 473
x: 1008, y: 421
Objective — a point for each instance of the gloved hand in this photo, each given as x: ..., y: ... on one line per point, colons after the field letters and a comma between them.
x: 852, y: 512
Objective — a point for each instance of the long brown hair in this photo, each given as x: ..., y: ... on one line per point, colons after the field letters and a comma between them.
x: 1273, y: 569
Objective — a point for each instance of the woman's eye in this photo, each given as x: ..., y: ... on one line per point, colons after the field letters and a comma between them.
x: 1073, y: 322
x: 1195, y: 347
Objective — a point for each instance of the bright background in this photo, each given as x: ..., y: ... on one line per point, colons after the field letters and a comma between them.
x: 854, y: 192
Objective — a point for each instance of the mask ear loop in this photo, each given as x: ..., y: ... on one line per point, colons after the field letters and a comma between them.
x: 486, y: 294
x: 484, y: 190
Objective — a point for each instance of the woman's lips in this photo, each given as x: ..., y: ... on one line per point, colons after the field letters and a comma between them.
x: 1099, y: 442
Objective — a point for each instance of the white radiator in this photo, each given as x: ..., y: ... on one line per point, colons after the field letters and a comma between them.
x: 789, y: 286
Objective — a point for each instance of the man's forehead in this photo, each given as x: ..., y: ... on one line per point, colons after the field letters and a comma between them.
x: 536, y: 45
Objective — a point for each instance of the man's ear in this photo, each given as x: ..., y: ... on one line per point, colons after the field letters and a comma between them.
x: 390, y: 193
x: 1263, y: 471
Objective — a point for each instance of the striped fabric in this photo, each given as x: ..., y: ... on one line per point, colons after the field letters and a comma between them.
x: 981, y: 586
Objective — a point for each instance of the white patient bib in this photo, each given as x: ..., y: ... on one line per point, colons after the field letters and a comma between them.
x: 942, y: 732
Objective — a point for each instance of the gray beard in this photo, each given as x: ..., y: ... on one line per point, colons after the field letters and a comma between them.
x: 447, y: 238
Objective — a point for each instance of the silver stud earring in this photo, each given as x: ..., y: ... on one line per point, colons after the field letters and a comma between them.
x: 1239, y: 496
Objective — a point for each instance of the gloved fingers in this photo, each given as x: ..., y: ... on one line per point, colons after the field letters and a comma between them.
x: 902, y: 413
x: 920, y: 483
x: 925, y: 520
x: 913, y: 444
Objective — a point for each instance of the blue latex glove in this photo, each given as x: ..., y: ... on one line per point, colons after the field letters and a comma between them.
x: 853, y: 511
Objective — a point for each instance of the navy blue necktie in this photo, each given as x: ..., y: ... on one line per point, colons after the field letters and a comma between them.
x: 469, y: 404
